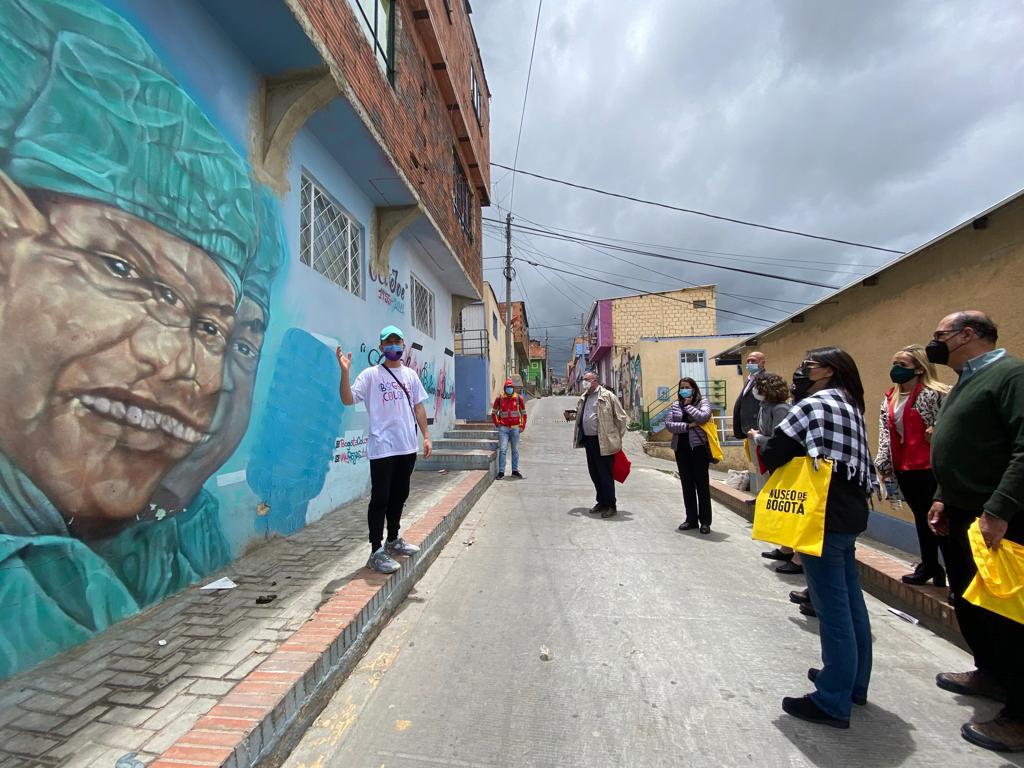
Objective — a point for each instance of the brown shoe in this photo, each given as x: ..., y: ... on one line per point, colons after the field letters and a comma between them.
x: 1004, y: 734
x: 973, y: 683
x: 609, y: 511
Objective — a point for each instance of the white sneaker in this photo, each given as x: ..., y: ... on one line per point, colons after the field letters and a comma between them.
x: 382, y: 562
x: 400, y: 547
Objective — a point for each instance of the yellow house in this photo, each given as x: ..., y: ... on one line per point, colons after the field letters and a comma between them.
x: 976, y: 265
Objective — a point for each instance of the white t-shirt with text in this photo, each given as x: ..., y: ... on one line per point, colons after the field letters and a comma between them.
x: 392, y: 424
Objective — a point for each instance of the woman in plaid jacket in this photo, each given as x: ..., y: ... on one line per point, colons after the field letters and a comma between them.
x: 827, y: 421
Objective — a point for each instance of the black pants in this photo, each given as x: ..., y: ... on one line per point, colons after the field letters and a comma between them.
x: 692, y: 464
x: 918, y: 489
x: 389, y: 488
x: 996, y: 642
x: 600, y: 471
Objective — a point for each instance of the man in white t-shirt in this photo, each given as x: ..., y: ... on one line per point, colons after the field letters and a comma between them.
x: 394, y: 396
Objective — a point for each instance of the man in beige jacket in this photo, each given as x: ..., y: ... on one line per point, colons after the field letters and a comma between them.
x: 600, y: 425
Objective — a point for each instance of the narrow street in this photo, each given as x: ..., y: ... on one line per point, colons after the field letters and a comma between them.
x: 662, y: 648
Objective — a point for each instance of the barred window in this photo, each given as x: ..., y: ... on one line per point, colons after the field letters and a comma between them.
x: 330, y: 241
x: 700, y: 303
x: 462, y: 197
x: 422, y: 306
x: 378, y: 17
x: 475, y: 94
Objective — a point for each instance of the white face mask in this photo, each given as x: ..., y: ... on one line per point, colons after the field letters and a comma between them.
x: 758, y: 396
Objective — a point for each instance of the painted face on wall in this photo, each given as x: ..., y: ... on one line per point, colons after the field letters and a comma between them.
x: 114, y: 335
x: 231, y: 418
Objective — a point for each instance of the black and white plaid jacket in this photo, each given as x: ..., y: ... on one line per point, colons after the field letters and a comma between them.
x: 829, y: 426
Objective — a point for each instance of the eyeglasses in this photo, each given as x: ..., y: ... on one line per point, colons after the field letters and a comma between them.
x: 940, y: 335
x: 810, y: 364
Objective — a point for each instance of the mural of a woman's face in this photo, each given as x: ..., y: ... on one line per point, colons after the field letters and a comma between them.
x: 114, y: 335
x: 233, y: 410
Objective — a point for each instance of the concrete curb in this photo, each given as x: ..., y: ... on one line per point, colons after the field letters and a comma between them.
x: 274, y: 702
x: 880, y: 575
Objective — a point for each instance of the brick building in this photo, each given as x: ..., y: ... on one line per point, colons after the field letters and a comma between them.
x: 296, y: 175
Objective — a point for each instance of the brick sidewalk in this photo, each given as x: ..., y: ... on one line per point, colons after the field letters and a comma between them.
x: 125, y: 692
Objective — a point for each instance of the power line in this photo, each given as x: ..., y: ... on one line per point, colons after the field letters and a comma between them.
x: 581, y: 240
x: 526, y: 93
x: 693, y: 211
x: 640, y: 292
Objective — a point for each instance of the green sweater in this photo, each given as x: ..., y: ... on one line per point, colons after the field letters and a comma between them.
x: 978, y: 443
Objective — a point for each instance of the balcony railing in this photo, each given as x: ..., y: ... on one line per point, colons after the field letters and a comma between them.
x: 471, y: 343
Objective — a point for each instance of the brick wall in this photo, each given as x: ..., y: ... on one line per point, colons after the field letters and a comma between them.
x: 411, y: 118
x: 662, y: 315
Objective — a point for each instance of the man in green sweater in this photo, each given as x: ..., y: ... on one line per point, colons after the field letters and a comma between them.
x: 978, y: 460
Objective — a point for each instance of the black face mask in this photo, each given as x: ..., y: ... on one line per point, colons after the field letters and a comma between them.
x: 802, y: 383
x: 901, y: 375
x: 937, y: 352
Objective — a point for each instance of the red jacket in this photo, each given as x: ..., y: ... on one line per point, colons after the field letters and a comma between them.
x: 509, y: 411
x: 913, y: 451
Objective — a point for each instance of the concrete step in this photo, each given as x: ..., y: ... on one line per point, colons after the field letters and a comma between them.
x: 460, y: 460
x: 474, y: 425
x: 458, y: 444
x: 471, y: 434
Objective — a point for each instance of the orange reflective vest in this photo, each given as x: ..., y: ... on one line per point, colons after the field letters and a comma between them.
x: 509, y: 411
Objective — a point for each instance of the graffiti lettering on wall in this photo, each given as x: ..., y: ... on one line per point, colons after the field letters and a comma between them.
x: 391, y: 292
x: 136, y: 260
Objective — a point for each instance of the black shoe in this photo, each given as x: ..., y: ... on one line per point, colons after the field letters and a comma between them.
x: 805, y: 709
x: 515, y: 473
x: 687, y: 526
x: 812, y: 675
x: 609, y: 511
x: 789, y: 568
x: 705, y: 529
x: 597, y: 508
x: 923, y: 574
x: 499, y: 476
x: 800, y: 597
x: 808, y: 610
x: 777, y: 554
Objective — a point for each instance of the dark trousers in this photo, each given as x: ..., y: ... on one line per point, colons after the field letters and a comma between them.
x: 600, y: 471
x: 389, y: 488
x: 996, y: 642
x: 692, y: 464
x: 918, y: 489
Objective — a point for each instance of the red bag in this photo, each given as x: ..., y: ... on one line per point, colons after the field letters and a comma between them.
x: 620, y: 467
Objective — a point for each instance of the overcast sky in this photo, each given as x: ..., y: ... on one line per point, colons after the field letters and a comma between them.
x: 882, y: 121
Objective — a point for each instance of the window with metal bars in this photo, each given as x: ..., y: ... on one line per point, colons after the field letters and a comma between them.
x: 474, y: 88
x: 378, y: 17
x: 422, y: 306
x: 330, y: 241
x: 462, y: 197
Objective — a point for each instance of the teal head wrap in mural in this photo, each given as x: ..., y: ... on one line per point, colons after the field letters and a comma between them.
x: 87, y: 110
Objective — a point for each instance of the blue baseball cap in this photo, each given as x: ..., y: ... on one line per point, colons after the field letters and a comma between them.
x: 391, y: 330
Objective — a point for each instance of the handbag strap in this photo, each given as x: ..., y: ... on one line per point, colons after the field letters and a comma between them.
x: 408, y: 399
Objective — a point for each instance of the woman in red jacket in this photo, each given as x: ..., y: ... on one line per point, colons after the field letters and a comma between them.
x: 907, y: 417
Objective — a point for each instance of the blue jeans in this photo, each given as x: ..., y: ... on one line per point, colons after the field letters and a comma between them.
x: 508, y: 435
x: 844, y: 626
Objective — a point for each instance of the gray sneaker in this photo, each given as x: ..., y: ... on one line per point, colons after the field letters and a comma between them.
x: 400, y: 547
x: 382, y: 562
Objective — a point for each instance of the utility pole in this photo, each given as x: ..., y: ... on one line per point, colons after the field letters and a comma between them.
x: 547, y: 365
x: 509, y: 366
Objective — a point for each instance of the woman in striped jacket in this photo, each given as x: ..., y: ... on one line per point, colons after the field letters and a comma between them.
x: 693, y: 455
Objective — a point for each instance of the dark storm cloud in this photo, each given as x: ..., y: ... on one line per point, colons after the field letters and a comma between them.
x: 881, y: 122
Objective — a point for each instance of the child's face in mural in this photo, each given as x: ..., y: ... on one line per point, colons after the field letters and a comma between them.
x: 233, y: 410
x: 114, y: 334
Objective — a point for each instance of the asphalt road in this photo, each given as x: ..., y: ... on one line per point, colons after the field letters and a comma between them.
x: 546, y: 636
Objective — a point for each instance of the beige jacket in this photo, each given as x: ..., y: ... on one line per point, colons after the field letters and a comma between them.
x: 611, y: 422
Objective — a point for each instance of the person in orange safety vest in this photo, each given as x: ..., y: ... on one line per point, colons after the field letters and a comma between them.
x: 509, y: 415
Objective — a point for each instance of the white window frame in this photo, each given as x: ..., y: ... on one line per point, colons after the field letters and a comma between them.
x: 419, y: 290
x: 349, y: 275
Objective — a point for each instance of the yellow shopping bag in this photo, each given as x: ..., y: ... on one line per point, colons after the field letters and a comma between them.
x: 714, y: 445
x: 999, y: 585
x: 790, y: 509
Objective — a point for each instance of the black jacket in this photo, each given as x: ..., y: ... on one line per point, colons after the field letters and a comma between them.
x: 744, y: 414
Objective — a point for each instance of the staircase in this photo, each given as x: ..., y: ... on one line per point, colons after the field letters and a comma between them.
x: 469, y: 445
